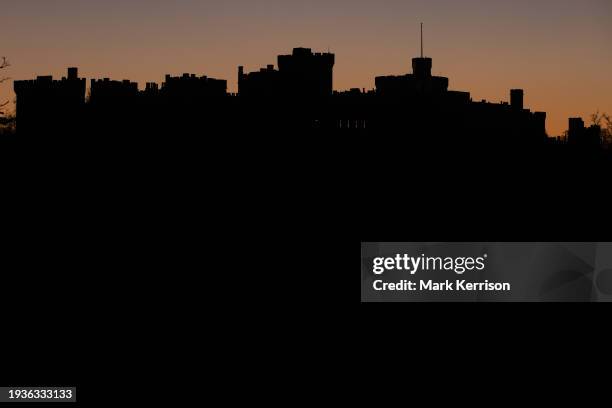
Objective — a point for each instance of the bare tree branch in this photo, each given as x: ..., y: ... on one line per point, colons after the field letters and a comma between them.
x: 604, y: 121
x: 596, y: 118
x: 3, y: 64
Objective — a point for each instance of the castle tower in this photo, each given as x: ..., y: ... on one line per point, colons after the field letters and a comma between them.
x: 306, y: 73
x: 421, y: 66
x: 43, y: 101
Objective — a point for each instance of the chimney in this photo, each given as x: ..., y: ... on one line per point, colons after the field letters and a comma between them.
x: 516, y: 98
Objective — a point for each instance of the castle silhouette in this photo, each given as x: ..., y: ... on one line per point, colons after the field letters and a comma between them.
x: 288, y: 145
x: 297, y: 96
x: 288, y: 162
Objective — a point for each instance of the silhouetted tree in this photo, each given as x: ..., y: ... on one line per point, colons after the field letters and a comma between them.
x: 3, y: 64
x: 7, y: 121
x: 604, y: 121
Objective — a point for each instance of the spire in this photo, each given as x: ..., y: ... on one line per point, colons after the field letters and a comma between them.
x: 421, y: 40
x: 421, y: 66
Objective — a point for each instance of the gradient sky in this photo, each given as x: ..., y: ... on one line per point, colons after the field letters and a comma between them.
x: 559, y: 51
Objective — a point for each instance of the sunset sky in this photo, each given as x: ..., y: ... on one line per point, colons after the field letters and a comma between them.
x: 559, y: 51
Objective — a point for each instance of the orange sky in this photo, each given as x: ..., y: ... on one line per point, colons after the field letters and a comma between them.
x: 559, y: 51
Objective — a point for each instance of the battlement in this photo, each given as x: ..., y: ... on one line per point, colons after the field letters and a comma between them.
x: 151, y: 87
x: 47, y: 84
x: 409, y: 85
x: 302, y: 56
x: 108, y: 84
x: 269, y: 68
x: 112, y: 92
x: 192, y: 85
